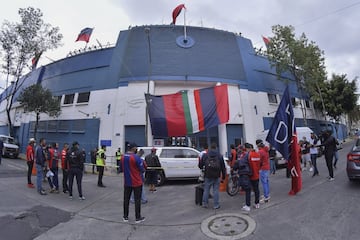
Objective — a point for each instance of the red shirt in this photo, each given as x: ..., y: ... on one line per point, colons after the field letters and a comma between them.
x: 233, y: 157
x: 64, y: 164
x: 264, y: 158
x: 30, y: 153
x: 254, y: 162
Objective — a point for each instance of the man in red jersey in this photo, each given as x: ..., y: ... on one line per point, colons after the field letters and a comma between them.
x: 30, y: 156
x: 65, y: 168
x: 133, y: 169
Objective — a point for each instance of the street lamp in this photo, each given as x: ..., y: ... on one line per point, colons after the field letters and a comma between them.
x: 147, y: 32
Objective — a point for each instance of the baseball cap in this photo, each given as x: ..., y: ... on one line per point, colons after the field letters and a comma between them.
x: 258, y: 141
x: 132, y: 145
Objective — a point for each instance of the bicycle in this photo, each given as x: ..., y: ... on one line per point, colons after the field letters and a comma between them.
x: 233, y: 187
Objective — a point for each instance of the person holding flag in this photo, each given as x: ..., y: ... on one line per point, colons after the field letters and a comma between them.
x: 282, y: 135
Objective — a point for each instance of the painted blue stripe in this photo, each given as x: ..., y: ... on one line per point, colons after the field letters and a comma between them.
x: 157, y: 116
x: 208, y: 105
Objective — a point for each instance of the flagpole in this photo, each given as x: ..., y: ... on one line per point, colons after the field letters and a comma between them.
x: 185, y: 38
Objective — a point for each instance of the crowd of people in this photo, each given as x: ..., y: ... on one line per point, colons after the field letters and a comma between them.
x: 47, y: 159
x: 254, y: 166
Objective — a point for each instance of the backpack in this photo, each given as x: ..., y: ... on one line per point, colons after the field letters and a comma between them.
x: 212, y: 166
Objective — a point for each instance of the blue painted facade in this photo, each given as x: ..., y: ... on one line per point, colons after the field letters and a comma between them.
x: 216, y: 56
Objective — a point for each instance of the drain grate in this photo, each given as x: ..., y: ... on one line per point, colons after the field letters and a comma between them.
x: 228, y: 226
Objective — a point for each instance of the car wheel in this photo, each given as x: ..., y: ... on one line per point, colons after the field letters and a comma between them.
x: 161, y: 178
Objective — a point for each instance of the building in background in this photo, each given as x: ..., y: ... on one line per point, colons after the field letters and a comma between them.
x: 102, y: 90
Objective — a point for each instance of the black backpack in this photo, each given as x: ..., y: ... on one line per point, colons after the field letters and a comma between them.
x: 212, y: 166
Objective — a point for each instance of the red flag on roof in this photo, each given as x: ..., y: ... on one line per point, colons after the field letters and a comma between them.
x: 188, y: 111
x: 35, y: 60
x: 176, y: 12
x: 266, y: 40
x: 84, y: 35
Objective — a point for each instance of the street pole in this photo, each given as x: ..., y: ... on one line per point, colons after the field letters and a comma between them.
x: 147, y: 32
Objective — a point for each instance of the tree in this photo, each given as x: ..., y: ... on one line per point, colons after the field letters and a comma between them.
x: 303, y: 59
x: 39, y: 100
x: 19, y: 43
x: 340, y: 97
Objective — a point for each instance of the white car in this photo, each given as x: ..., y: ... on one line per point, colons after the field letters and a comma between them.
x: 176, y: 162
x: 10, y: 148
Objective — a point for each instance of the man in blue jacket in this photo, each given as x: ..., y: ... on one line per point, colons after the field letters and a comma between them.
x: 40, y: 164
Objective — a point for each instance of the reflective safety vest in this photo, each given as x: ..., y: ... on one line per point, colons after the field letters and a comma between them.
x: 118, y: 155
x: 99, y: 160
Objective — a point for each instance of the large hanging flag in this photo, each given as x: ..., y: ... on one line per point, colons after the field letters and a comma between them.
x: 176, y: 12
x: 84, y: 35
x: 35, y: 60
x: 282, y: 136
x: 188, y: 111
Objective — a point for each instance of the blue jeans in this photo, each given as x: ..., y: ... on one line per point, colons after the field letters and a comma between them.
x: 336, y: 157
x: 215, y: 183
x: 313, y: 161
x: 272, y: 166
x: 39, y: 177
x: 264, y: 177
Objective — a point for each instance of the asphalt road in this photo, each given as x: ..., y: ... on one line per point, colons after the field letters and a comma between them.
x: 322, y: 210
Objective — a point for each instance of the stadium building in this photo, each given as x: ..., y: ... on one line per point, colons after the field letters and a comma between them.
x: 102, y: 90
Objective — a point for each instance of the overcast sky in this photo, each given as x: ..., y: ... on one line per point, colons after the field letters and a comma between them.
x: 332, y: 24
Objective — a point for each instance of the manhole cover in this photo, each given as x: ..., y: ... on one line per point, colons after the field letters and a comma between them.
x: 228, y: 226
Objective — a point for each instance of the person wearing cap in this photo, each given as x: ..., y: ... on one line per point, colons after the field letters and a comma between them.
x: 30, y: 157
x: 100, y: 164
x: 264, y: 169
x: 153, y: 164
x: 75, y: 160
x: 133, y: 168
x: 118, y: 154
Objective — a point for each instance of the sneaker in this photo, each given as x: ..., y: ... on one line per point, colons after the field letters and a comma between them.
x: 216, y: 207
x: 204, y: 205
x: 71, y: 197
x: 139, y: 220
x: 311, y: 169
x: 52, y: 190
x: 246, y: 208
x: 331, y: 179
x: 125, y: 219
x: 257, y: 206
x: 42, y: 192
x: 144, y: 201
x: 82, y: 198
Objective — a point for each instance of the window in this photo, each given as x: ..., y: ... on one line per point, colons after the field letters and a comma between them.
x: 272, y: 98
x: 83, y: 97
x: 293, y: 101
x: 52, y: 126
x: 69, y: 98
x: 64, y: 126
x: 307, y: 103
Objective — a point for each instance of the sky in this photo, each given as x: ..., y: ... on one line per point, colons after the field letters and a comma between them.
x: 332, y: 25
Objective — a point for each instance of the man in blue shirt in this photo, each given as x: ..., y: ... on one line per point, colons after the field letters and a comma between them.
x: 40, y: 164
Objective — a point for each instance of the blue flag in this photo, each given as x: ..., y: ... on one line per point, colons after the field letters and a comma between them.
x: 283, y: 127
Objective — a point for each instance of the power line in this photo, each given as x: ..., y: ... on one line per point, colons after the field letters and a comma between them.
x: 328, y: 14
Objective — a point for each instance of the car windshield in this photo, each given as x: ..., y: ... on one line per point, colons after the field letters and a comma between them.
x: 8, y: 140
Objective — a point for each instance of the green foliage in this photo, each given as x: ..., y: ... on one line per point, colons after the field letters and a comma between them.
x: 39, y: 100
x: 339, y: 96
x: 19, y: 42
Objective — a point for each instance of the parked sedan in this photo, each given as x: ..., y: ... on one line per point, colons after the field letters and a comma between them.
x: 353, y: 161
